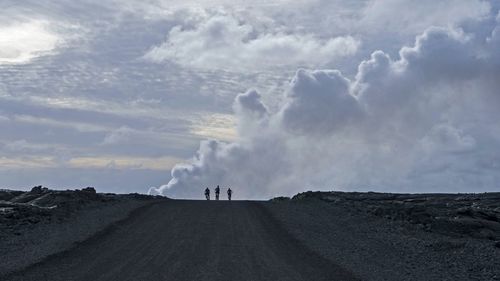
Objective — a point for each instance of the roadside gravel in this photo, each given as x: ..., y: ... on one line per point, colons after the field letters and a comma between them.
x: 33, y: 239
x: 377, y: 248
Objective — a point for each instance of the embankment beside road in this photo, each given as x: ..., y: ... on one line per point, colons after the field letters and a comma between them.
x: 381, y: 236
x: 43, y: 222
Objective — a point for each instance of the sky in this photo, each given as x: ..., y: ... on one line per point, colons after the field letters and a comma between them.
x: 266, y: 97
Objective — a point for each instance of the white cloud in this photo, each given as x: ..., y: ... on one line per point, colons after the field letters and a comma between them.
x: 79, y: 126
x: 421, y: 122
x: 252, y: 113
x: 20, y: 42
x: 319, y: 102
x: 223, y: 41
x: 126, y: 140
x: 406, y: 16
x: 119, y: 135
x: 29, y: 162
x: 214, y: 126
x: 76, y: 95
x: 25, y: 146
x: 123, y: 162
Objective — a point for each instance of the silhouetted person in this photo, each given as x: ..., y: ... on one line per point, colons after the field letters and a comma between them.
x: 229, y: 192
x: 207, y: 193
x: 217, y: 191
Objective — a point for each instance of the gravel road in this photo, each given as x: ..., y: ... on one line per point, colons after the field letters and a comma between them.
x: 190, y: 240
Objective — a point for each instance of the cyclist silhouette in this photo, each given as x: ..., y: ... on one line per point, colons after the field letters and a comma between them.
x: 207, y: 193
x: 217, y: 191
x: 229, y: 193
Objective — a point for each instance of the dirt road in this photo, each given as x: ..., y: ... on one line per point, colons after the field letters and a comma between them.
x: 190, y: 240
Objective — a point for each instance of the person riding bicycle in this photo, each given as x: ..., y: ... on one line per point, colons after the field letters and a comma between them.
x: 217, y: 191
x: 207, y: 193
x: 229, y: 192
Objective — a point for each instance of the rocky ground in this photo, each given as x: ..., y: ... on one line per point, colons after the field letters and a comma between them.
x: 42, y: 222
x: 368, y: 236
x: 381, y: 236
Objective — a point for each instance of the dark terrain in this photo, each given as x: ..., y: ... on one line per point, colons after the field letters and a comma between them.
x: 455, y: 215
x: 41, y: 222
x: 382, y: 236
x: 190, y: 240
x: 312, y: 236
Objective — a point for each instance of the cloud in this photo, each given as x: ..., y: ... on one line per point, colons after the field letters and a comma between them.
x: 25, y: 146
x: 252, y: 113
x: 223, y: 41
x: 123, y: 162
x: 229, y: 165
x: 119, y: 135
x: 76, y: 79
x: 422, y: 122
x: 319, y: 102
x: 8, y: 163
x: 394, y: 15
x: 446, y: 138
x: 210, y: 125
x: 250, y: 104
x: 20, y: 42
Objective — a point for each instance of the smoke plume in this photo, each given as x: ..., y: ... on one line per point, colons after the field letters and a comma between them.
x: 424, y: 121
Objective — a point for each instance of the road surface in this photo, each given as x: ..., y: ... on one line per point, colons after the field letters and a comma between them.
x: 190, y: 240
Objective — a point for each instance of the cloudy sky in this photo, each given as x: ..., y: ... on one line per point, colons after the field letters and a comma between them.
x: 270, y: 98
